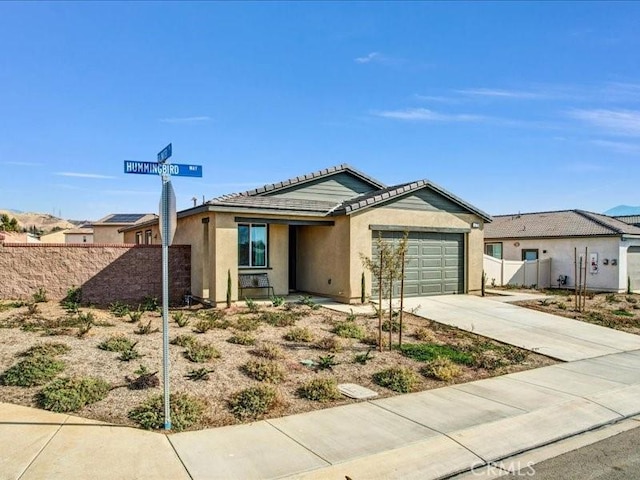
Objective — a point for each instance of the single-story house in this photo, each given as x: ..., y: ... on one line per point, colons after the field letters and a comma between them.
x: 308, y: 234
x: 18, y: 237
x: 613, y: 246
x: 107, y: 229
x: 79, y: 235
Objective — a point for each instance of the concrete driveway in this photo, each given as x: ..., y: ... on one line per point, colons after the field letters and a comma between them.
x: 557, y: 337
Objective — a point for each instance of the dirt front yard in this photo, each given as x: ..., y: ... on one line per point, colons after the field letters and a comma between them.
x: 614, y: 310
x: 238, y: 364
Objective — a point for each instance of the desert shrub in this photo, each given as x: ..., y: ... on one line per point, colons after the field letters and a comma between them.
x: 71, y: 394
x: 203, y: 325
x: 32, y: 371
x: 488, y: 359
x: 280, y: 318
x: 424, y: 335
x: 321, y: 389
x: 330, y: 343
x: 611, y: 298
x: 149, y: 304
x: 180, y: 318
x: 185, y: 411
x: 425, y: 352
x: 130, y: 354
x: 48, y: 349
x: 372, y: 339
x: 308, y: 301
x: 242, y: 338
x: 299, y: 334
x: 32, y: 308
x: 363, y: 358
x: 199, y: 374
x: 277, y: 301
x: 441, y: 369
x: 116, y: 343
x: 562, y: 306
x: 392, y: 325
x: 349, y: 329
x: 326, y: 362
x: 351, y: 317
x: 201, y: 352
x: 515, y: 355
x: 119, y: 309
x: 145, y: 329
x: 135, y: 315
x: 183, y: 340
x: 247, y: 324
x: 398, y: 379
x: 85, y: 322
x: 252, y: 402
x: 40, y: 295
x: 631, y: 299
x: 252, y: 306
x: 264, y: 371
x: 269, y: 350
x: 621, y: 312
x: 71, y: 302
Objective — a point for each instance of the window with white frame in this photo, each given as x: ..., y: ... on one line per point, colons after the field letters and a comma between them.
x: 252, y: 245
x: 138, y: 238
x: 493, y: 249
x: 147, y: 237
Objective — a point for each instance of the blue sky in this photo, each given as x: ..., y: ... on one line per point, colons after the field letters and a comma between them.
x: 511, y: 106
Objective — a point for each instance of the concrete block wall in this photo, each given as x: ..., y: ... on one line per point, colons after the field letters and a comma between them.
x: 105, y: 272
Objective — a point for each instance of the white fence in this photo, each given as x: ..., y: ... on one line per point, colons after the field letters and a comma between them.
x: 521, y: 273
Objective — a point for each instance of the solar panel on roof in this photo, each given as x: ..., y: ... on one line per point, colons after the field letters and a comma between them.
x: 125, y: 218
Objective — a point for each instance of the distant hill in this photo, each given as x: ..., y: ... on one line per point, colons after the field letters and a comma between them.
x: 42, y: 221
x: 623, y: 210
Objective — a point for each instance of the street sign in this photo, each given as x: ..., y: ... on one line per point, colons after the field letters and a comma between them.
x: 172, y: 217
x: 164, y: 154
x: 151, y: 168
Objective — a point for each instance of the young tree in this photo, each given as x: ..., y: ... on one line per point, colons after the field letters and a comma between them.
x: 378, y: 268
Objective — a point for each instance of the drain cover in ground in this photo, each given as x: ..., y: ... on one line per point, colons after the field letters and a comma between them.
x: 352, y: 390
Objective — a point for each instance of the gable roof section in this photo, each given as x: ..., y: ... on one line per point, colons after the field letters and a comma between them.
x: 558, y: 224
x: 630, y: 219
x: 302, y: 179
x: 384, y: 195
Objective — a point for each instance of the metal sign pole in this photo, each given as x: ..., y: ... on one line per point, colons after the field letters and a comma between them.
x: 165, y: 299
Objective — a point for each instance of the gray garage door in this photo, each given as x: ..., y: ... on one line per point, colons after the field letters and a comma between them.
x: 434, y: 263
x: 633, y: 267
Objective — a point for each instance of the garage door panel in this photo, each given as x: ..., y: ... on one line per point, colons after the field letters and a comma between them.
x: 434, y: 262
x: 633, y: 267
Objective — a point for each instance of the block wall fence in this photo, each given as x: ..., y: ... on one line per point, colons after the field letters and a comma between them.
x: 105, y: 272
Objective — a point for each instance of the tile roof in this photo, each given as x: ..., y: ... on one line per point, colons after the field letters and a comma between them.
x: 630, y: 219
x: 564, y: 223
x: 381, y: 196
x: 272, y: 187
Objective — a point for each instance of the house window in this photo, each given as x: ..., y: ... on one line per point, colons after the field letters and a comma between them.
x: 493, y: 249
x: 252, y: 245
x: 138, y: 238
x: 147, y: 237
x: 529, y: 254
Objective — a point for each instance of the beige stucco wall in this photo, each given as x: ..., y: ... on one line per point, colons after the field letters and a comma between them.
x: 74, y: 238
x: 323, y: 262
x: 361, y: 240
x: 561, y: 252
x: 55, y: 237
x: 108, y: 234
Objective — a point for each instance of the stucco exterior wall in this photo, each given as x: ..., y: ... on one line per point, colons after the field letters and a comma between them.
x: 323, y: 265
x: 108, y: 234
x: 561, y: 251
x: 360, y: 240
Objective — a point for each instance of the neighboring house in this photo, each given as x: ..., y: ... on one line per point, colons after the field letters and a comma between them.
x: 630, y: 219
x: 613, y: 254
x: 18, y: 237
x: 79, y: 235
x: 54, y: 237
x: 308, y: 234
x: 107, y: 229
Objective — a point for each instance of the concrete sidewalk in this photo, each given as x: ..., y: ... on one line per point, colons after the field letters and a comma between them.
x: 424, y: 435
